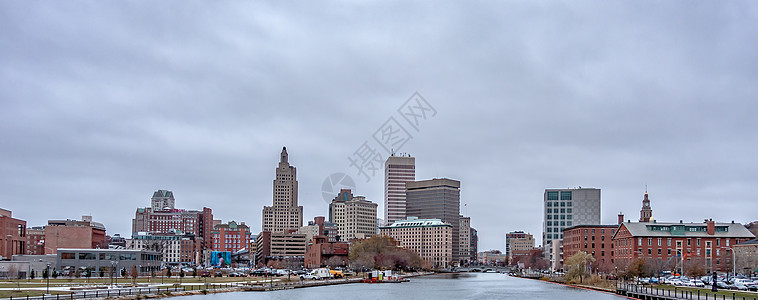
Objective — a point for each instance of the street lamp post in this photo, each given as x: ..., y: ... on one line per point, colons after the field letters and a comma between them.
x: 48, y: 278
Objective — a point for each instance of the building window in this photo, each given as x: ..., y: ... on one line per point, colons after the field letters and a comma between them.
x: 566, y: 195
x: 639, y: 241
x: 669, y: 243
x: 659, y: 251
x: 552, y: 195
x: 698, y: 242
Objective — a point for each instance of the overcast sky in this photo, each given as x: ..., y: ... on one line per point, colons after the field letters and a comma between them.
x: 102, y: 103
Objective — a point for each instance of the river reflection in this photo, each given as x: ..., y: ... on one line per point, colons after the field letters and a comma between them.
x: 443, y: 286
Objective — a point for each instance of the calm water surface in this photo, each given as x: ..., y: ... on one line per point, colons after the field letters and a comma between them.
x: 448, y: 286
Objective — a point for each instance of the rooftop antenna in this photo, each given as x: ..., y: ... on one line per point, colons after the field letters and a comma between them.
x: 646, y: 189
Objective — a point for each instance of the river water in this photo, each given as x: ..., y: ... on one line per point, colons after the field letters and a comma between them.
x: 444, y: 286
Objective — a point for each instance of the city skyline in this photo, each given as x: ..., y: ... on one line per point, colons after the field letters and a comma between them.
x: 99, y: 114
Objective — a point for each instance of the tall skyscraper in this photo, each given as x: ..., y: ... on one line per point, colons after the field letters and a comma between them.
x: 646, y: 212
x: 397, y: 171
x: 565, y: 208
x: 437, y: 198
x: 285, y: 215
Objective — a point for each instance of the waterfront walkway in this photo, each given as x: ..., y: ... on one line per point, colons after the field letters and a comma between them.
x: 654, y: 293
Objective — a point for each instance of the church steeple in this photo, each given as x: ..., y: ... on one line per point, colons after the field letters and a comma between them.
x: 646, y: 212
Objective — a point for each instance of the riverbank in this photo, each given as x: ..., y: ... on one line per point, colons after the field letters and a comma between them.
x: 596, y: 288
x: 146, y: 291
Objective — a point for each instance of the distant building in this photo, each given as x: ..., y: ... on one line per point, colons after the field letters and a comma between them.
x: 354, y: 215
x: 518, y: 241
x: 35, y: 240
x: 230, y: 237
x: 592, y: 239
x: 162, y: 200
x: 282, y: 247
x: 175, y: 248
x: 566, y: 208
x: 81, y: 234
x: 115, y: 242
x: 12, y: 235
x: 474, y: 244
x: 319, y: 226
x: 746, y: 257
x: 432, y: 239
x: 464, y: 239
x: 492, y: 258
x: 285, y: 215
x: 322, y: 253
x: 437, y: 198
x: 169, y: 221
x: 680, y: 243
x: 397, y: 171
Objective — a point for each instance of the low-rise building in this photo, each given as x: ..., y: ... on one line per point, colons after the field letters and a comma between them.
x: 492, y: 258
x: 107, y: 261
x: 674, y: 244
x: 278, y: 246
x: 432, y: 239
x: 593, y: 239
x: 12, y: 235
x: 81, y: 234
x: 322, y: 253
x: 746, y: 257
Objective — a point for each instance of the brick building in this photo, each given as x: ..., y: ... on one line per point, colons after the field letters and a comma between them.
x: 75, y: 234
x: 35, y: 240
x: 675, y: 245
x: 162, y: 218
x: 593, y: 239
x: 322, y: 253
x: 230, y: 237
x: 12, y: 235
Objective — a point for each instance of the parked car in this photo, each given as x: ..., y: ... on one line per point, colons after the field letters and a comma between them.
x: 206, y: 274
x: 739, y: 285
x: 723, y: 285
x: 698, y: 283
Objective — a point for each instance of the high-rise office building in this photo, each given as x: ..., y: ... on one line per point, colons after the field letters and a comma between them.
x: 437, y: 198
x: 285, y: 215
x: 354, y: 215
x: 566, y: 208
x: 397, y: 171
x: 464, y: 238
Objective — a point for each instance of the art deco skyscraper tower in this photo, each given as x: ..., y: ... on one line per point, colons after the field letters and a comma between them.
x: 285, y: 215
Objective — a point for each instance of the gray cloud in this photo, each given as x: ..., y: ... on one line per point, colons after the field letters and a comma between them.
x: 103, y: 104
